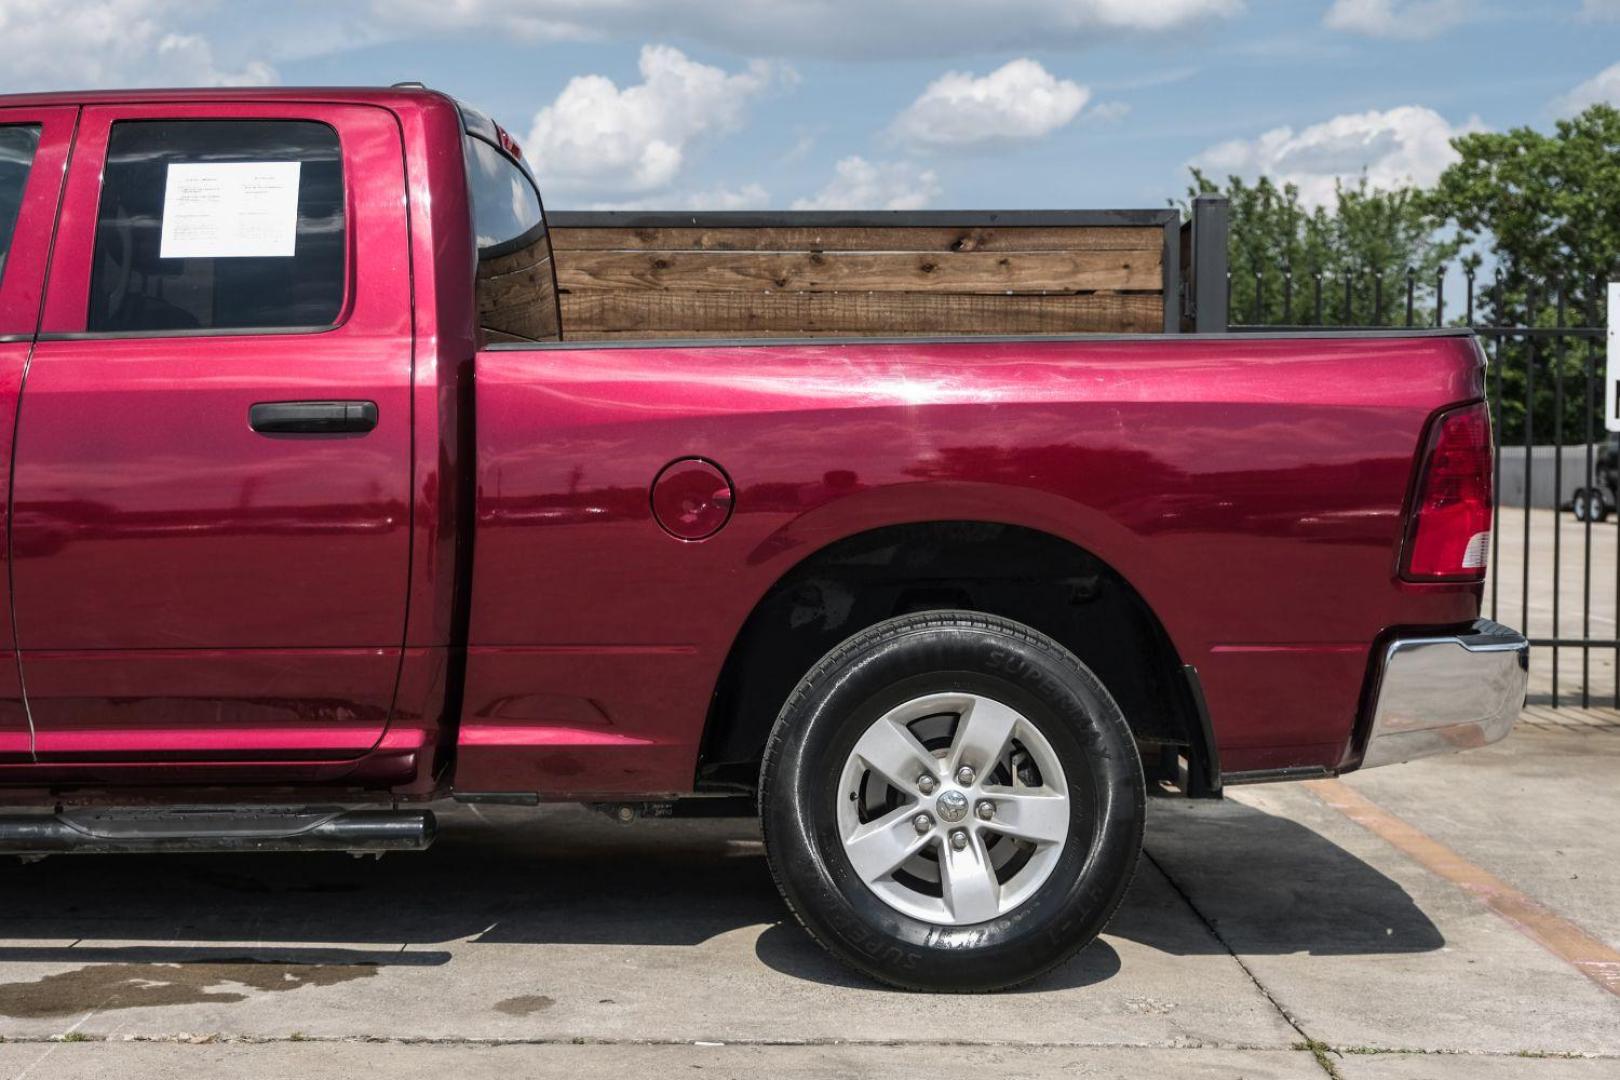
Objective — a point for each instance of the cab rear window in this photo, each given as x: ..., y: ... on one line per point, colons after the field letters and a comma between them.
x: 506, y: 207
x: 517, y: 298
x: 18, y: 144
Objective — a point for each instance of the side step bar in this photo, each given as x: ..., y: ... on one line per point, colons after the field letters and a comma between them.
x: 216, y: 829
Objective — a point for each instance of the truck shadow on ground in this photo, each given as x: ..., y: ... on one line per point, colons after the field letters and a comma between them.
x: 1265, y: 883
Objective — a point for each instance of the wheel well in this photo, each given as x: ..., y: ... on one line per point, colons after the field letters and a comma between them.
x: 1022, y: 574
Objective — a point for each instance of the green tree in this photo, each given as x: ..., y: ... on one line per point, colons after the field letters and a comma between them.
x: 1345, y: 264
x: 1548, y: 206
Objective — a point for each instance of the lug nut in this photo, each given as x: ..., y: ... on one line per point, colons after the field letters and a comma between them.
x: 964, y: 776
x: 922, y: 823
x: 985, y: 810
x: 926, y: 784
x: 958, y: 839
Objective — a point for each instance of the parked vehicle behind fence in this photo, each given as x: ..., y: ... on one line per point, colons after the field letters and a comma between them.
x: 1594, y: 503
x: 342, y: 480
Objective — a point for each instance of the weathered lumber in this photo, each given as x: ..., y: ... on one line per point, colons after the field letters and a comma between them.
x: 588, y: 312
x: 977, y: 272
x: 883, y: 238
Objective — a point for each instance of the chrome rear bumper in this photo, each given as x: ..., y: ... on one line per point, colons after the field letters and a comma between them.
x: 1448, y: 692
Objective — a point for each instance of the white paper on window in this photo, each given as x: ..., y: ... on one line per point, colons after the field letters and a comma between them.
x: 230, y: 210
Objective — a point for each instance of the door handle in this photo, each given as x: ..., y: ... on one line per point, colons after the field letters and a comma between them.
x: 313, y: 417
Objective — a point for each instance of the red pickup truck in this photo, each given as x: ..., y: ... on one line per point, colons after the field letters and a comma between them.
x: 315, y: 515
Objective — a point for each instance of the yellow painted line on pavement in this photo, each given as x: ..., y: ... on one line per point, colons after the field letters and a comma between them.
x: 1528, y: 916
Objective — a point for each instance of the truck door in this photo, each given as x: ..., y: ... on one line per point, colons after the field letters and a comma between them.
x: 212, y: 466
x: 33, y: 148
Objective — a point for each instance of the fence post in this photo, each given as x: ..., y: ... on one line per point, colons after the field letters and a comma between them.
x: 1210, y: 216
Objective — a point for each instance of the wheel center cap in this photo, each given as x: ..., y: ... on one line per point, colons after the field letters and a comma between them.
x: 952, y: 806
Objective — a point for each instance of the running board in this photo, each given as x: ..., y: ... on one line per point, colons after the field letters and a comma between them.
x: 216, y: 829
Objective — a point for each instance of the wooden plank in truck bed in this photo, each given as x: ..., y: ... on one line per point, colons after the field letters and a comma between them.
x: 588, y: 313
x: 660, y: 275
x: 966, y: 238
x: 815, y: 271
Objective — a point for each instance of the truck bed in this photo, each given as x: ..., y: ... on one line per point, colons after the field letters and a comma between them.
x: 1249, y: 487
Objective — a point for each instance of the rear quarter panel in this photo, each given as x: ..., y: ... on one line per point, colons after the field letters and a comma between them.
x: 1251, y: 489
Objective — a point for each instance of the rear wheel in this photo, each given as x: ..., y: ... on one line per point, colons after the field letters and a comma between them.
x: 1580, y: 505
x: 952, y: 801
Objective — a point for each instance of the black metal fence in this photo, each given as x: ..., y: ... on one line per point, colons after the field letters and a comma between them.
x: 1553, y: 573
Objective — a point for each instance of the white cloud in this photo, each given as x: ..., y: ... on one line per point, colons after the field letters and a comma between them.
x: 858, y: 184
x: 49, y: 44
x: 1106, y: 113
x: 838, y: 28
x: 598, y: 137
x: 1018, y: 102
x: 1413, y: 19
x: 1407, y: 145
x: 1604, y: 86
x: 800, y: 149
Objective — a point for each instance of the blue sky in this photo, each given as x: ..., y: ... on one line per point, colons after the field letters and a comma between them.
x: 904, y: 103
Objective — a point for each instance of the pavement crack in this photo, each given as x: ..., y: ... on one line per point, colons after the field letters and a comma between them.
x: 195, y: 1039
x: 1192, y: 1046
x: 1319, y: 1050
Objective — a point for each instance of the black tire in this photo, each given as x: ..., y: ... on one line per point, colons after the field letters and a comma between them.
x: 1579, y: 504
x: 951, y: 651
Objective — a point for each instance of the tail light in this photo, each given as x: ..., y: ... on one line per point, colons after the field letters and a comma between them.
x: 1449, y: 535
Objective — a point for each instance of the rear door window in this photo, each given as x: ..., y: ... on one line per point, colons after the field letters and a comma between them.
x: 214, y: 225
x: 18, y: 144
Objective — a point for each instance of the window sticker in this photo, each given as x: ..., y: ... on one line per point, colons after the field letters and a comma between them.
x: 230, y: 210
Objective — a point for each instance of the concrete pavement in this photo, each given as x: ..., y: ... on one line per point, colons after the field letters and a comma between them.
x: 1266, y: 936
